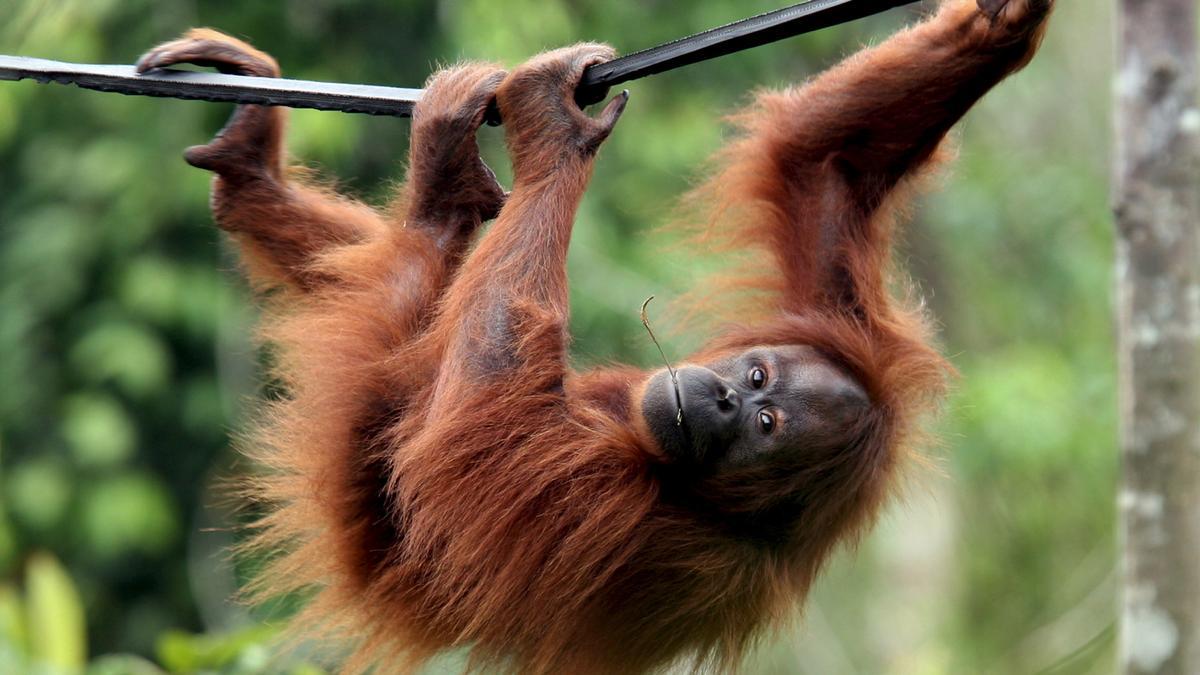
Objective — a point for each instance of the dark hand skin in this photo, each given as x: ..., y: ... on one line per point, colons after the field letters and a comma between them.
x: 543, y: 125
x: 250, y: 145
x: 450, y: 188
x: 285, y: 225
x: 753, y: 406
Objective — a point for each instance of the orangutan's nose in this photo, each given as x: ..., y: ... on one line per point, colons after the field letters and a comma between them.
x: 727, y: 399
x: 707, y: 396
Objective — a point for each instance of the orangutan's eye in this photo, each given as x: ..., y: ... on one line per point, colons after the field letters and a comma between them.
x: 766, y: 422
x: 758, y: 378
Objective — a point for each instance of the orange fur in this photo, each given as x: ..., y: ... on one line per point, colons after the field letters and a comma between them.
x: 437, y: 476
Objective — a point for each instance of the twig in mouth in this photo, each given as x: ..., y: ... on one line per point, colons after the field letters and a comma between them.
x: 674, y: 377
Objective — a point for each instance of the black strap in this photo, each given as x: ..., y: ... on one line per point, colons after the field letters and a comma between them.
x: 378, y: 100
x: 358, y: 98
x: 754, y: 31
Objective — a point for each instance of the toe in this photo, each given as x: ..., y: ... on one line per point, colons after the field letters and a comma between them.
x: 209, y: 48
x: 159, y: 57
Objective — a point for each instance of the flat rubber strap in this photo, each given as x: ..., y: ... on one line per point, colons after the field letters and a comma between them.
x: 754, y: 31
x: 356, y: 98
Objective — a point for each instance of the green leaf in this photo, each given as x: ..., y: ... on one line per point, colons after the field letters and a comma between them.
x: 38, y: 491
x: 123, y: 664
x: 182, y: 652
x: 130, y: 513
x: 98, y: 430
x: 57, y: 635
x: 9, y: 547
x: 126, y: 353
x: 12, y: 621
x: 150, y: 286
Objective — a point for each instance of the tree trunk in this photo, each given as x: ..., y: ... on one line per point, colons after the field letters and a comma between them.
x: 1158, y: 307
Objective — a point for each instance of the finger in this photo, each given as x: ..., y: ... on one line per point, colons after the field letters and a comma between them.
x: 586, y: 56
x: 464, y: 77
x: 486, y: 92
x: 466, y: 89
x: 225, y: 57
x: 992, y: 7
x: 159, y: 57
x: 612, y: 112
x: 199, y: 156
x: 607, y: 120
x: 578, y: 55
x: 591, y: 53
x: 585, y: 96
x: 566, y: 64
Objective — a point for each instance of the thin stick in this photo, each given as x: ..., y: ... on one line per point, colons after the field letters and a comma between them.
x: 674, y: 377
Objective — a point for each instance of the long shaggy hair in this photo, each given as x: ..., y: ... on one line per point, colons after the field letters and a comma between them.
x: 544, y: 532
x: 552, y: 543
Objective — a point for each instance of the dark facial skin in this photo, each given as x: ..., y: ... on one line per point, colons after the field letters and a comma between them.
x: 753, y: 406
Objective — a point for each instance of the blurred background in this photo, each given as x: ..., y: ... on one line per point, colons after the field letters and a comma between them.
x: 126, y: 362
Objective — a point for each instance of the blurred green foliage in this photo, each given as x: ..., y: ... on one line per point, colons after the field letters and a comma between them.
x: 127, y: 358
x: 42, y: 632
